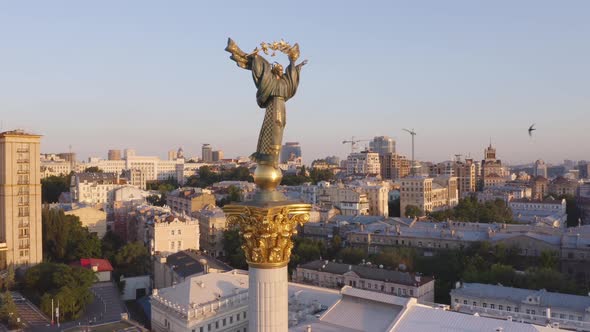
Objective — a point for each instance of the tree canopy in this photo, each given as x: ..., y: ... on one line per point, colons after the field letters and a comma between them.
x: 469, y: 209
x: 65, y: 239
x: 53, y: 186
x: 70, y: 285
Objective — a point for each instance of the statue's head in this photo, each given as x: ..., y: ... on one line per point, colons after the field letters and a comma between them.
x: 277, y: 69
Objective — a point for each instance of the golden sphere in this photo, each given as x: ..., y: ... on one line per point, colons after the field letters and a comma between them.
x: 267, y: 177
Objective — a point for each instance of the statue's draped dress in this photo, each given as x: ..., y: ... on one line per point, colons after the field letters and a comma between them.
x: 272, y: 94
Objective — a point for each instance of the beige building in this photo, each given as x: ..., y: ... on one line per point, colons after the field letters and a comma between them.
x: 163, y: 231
x: 189, y: 200
x: 94, y: 188
x: 91, y: 217
x: 428, y: 194
x: 493, y: 173
x: 394, y: 166
x: 53, y: 165
x: 363, y: 163
x: 337, y: 275
x: 20, y: 198
x: 466, y: 180
x: 350, y: 201
x: 212, y: 224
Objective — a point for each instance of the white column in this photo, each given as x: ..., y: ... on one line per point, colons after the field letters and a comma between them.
x: 268, y: 300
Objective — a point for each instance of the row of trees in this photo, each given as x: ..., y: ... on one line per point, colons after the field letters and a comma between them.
x: 207, y: 176
x: 469, y: 209
x: 303, y: 176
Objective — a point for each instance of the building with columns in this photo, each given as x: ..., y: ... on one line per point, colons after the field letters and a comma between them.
x: 20, y: 198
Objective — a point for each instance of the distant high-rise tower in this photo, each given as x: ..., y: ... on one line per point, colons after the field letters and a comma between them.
x: 114, y: 154
x: 540, y: 168
x: 207, y: 153
x: 171, y: 155
x: 20, y: 198
x: 290, y: 151
x: 382, y: 145
x: 180, y: 154
x: 217, y: 155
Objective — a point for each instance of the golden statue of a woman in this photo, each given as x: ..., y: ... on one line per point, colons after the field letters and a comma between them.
x: 275, y: 87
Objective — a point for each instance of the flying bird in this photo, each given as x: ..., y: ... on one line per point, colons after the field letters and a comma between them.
x: 531, y: 128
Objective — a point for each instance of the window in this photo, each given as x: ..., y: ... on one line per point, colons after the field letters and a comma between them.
x: 238, y: 317
x: 172, y: 232
x: 500, y: 307
x: 179, y: 232
x: 244, y: 315
x: 208, y: 327
x: 217, y: 324
x: 474, y: 304
x: 231, y: 319
x: 533, y: 312
x: 492, y: 306
x: 485, y: 305
x: 516, y: 309
x: 224, y: 321
x: 179, y: 245
x: 456, y: 300
x: 464, y: 301
x: 201, y: 329
x: 411, y: 292
x: 508, y: 308
x: 562, y: 316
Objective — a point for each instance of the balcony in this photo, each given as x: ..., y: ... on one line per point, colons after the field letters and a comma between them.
x: 23, y: 236
x: 22, y: 150
x: 23, y: 224
x: 23, y: 203
x: 22, y: 171
x: 24, y: 246
x: 22, y: 161
x: 22, y: 182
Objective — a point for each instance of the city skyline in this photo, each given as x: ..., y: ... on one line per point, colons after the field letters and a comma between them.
x: 154, y: 77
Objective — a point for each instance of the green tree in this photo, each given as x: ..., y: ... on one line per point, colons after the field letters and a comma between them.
x: 549, y: 259
x: 232, y: 246
x: 318, y: 175
x: 53, y: 186
x: 8, y: 311
x: 394, y: 208
x: 68, y: 284
x: 133, y: 259
x: 572, y: 210
x: 352, y: 255
x: 93, y: 169
x: 110, y: 245
x: 413, y: 211
x: 65, y: 239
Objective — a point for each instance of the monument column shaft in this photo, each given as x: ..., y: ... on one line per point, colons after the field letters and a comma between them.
x: 268, y: 300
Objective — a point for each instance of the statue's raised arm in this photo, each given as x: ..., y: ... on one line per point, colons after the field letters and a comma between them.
x: 242, y: 59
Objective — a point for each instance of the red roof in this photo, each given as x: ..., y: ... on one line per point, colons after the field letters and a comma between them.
x: 102, y: 265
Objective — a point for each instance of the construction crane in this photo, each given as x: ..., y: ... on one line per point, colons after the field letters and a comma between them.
x: 413, y: 133
x: 353, y: 143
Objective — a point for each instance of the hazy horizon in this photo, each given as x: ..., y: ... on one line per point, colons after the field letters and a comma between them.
x: 154, y: 76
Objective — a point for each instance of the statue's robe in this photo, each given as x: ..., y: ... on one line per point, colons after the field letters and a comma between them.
x: 272, y: 94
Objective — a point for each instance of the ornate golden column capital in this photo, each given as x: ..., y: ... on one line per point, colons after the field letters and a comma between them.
x: 267, y: 230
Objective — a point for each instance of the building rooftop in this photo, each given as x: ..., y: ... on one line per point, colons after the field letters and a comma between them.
x: 547, y: 299
x: 102, y: 265
x: 17, y: 132
x: 367, y: 272
x: 188, y: 262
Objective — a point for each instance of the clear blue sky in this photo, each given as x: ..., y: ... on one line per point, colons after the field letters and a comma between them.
x: 153, y: 75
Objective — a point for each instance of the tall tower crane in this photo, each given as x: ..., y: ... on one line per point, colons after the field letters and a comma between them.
x: 353, y: 143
